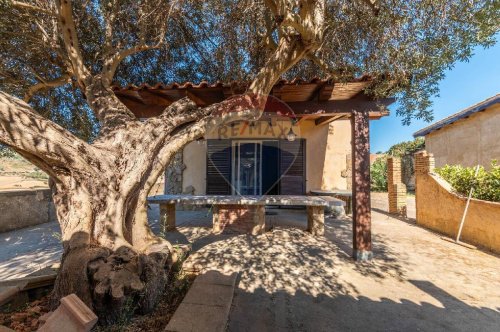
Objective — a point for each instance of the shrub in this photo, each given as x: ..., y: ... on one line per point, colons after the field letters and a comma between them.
x: 486, y: 184
x: 6, y: 152
x: 378, y: 171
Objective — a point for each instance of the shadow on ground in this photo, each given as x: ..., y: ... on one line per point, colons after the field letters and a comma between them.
x: 290, y: 280
x: 286, y: 243
x: 302, y: 311
x: 29, y: 249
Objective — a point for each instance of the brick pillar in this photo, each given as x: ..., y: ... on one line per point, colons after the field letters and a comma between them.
x: 424, y: 164
x: 361, y: 205
x: 396, y: 187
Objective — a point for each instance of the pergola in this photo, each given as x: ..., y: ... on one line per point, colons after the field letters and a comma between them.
x: 319, y: 100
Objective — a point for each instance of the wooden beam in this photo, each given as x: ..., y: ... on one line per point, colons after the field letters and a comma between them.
x: 315, y: 96
x: 340, y: 106
x: 361, y: 206
x: 327, y: 119
x: 161, y: 94
x: 196, y: 98
x: 133, y: 97
x: 151, y: 98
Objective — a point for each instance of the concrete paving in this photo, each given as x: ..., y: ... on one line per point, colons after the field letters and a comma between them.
x: 290, y: 280
x: 206, y: 306
x: 28, y: 250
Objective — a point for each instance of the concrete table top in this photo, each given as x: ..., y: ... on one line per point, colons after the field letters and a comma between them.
x: 339, y: 192
x: 246, y: 200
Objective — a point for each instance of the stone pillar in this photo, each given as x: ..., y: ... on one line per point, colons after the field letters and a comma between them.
x: 216, y: 223
x: 259, y: 220
x: 396, y: 187
x: 173, y: 174
x: 316, y: 220
x: 361, y: 206
x: 167, y: 217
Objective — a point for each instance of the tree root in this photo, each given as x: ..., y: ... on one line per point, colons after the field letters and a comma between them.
x: 114, y: 284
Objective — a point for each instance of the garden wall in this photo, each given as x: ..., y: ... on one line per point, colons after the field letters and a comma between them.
x: 24, y: 208
x: 440, y: 208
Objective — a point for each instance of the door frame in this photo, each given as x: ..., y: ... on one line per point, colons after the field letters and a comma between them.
x: 235, y: 144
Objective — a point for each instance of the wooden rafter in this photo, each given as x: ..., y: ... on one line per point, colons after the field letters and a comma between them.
x: 327, y: 119
x: 196, y: 98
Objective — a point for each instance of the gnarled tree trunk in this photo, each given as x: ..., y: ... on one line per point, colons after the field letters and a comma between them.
x: 112, y: 260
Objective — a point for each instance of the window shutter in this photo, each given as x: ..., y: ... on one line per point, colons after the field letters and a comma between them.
x: 292, y: 167
x: 218, y: 167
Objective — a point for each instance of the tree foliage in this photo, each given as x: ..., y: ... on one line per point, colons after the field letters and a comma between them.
x: 406, y: 46
x: 63, y: 56
x: 378, y: 174
x: 403, y: 150
x: 407, y: 147
x: 486, y: 184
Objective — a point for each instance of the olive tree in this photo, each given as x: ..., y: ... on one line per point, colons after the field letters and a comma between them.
x: 60, y: 58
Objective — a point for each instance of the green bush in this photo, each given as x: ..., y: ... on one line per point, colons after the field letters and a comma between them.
x: 486, y: 184
x: 6, y: 152
x: 378, y: 172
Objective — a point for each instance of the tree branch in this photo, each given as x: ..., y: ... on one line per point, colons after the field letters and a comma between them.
x: 112, y: 63
x: 27, y: 6
x: 45, y: 85
x: 302, y: 34
x: 31, y: 134
x: 68, y: 31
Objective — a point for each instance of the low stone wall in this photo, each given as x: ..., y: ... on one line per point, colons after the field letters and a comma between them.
x: 440, y: 208
x: 24, y: 208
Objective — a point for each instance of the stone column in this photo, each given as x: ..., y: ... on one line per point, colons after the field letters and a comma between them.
x: 216, y: 226
x: 361, y: 205
x: 259, y: 218
x: 316, y: 220
x: 173, y: 175
x: 396, y: 187
x: 167, y: 217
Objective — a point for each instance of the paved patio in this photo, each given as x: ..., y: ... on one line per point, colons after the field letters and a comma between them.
x: 289, y: 280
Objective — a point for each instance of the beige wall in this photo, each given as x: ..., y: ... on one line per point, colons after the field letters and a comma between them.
x: 468, y: 142
x: 326, y: 149
x: 337, y: 149
x: 439, y: 209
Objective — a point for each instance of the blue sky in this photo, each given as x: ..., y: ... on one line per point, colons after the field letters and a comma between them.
x: 464, y: 85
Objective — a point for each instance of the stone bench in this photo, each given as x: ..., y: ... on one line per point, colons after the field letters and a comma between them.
x: 344, y: 195
x: 244, y: 213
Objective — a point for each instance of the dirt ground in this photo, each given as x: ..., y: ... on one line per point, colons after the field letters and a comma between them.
x: 17, y: 173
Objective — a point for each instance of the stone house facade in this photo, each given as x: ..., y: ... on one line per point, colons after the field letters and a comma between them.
x: 468, y: 138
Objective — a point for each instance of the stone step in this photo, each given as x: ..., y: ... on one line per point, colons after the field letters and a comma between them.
x: 206, y: 305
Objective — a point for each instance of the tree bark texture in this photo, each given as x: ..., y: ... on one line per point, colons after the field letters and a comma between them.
x: 112, y: 260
